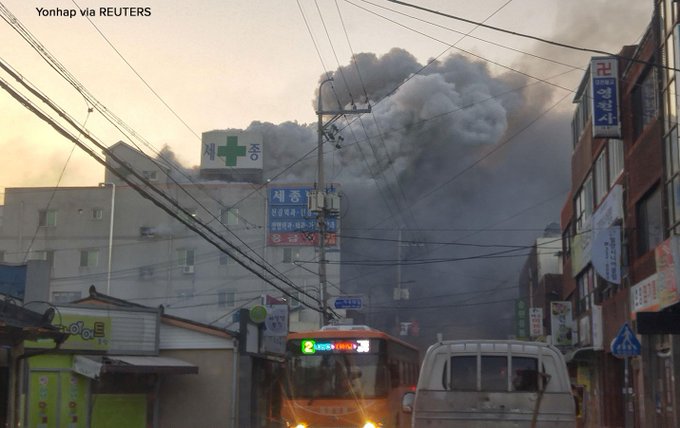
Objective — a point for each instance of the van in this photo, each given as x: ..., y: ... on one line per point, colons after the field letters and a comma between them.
x: 491, y: 383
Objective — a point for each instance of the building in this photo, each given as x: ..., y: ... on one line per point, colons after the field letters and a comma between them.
x: 113, y: 237
x: 619, y: 229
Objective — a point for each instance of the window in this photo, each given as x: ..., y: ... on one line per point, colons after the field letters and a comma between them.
x: 601, y: 177
x: 229, y: 216
x: 644, y: 102
x: 464, y: 374
x: 146, y: 272
x: 583, y: 204
x: 185, y: 294
x: 225, y: 298
x: 97, y: 213
x: 150, y: 175
x: 89, y: 258
x: 47, y: 218
x: 147, y: 232
x: 649, y: 222
x: 290, y: 255
x: 582, y: 113
x: 62, y: 297
x: 615, y: 152
x: 185, y: 257
x: 586, y: 289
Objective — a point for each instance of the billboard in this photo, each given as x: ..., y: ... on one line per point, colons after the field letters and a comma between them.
x: 561, y: 323
x: 13, y: 281
x: 289, y: 222
x: 231, y: 150
x: 604, y: 91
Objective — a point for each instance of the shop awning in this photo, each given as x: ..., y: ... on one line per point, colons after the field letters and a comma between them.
x: 579, y: 354
x: 93, y: 366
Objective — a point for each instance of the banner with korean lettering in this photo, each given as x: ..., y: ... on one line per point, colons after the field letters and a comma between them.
x: 604, y: 91
x: 290, y: 223
x: 535, y: 322
x: 606, y: 253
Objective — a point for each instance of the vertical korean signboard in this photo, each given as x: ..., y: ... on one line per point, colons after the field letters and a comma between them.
x: 289, y: 221
x: 604, y: 90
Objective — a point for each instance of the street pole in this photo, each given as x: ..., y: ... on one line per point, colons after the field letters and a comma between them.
x: 319, y: 197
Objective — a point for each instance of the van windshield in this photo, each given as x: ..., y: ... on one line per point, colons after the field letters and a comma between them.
x: 496, y: 373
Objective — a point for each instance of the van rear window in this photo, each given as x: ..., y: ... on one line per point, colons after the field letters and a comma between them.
x: 494, y: 373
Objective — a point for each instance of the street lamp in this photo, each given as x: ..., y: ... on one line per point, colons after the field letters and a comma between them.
x: 113, y: 210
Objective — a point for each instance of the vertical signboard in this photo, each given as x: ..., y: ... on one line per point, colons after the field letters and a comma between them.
x: 667, y: 288
x: 289, y: 221
x: 536, y: 322
x: 604, y: 89
x: 521, y: 316
x: 561, y: 324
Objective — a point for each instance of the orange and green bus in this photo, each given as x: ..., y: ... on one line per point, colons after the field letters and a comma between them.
x: 347, y: 377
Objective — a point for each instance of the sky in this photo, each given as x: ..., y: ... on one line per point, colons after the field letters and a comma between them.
x: 474, y: 147
x: 223, y: 64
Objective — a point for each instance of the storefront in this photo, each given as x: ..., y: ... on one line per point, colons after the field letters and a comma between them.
x: 106, y: 374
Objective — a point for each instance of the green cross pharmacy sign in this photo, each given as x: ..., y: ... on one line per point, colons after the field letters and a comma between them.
x: 224, y: 149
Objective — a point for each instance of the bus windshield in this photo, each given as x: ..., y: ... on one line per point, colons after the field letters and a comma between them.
x: 336, y: 376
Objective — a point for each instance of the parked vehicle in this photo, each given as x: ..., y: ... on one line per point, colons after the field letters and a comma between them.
x: 487, y: 383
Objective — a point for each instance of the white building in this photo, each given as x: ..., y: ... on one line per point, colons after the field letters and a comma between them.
x: 156, y: 259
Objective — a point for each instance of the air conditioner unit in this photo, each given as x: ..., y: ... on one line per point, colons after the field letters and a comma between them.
x: 187, y: 270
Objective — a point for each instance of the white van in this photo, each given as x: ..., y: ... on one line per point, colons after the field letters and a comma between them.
x: 492, y: 383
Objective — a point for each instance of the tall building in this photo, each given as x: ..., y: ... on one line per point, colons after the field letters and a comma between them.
x: 114, y: 238
x: 620, y: 234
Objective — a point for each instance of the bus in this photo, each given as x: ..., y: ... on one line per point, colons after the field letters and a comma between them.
x: 347, y: 377
x: 499, y: 383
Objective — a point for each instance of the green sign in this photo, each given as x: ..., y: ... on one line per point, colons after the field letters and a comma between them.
x: 87, y: 333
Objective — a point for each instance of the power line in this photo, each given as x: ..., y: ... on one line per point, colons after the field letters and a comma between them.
x: 529, y: 36
x: 191, y: 225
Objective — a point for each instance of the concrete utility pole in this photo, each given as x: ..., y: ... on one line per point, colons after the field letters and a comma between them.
x: 318, y: 202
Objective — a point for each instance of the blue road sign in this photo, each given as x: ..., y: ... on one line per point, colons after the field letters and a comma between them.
x: 353, y: 302
x: 625, y: 344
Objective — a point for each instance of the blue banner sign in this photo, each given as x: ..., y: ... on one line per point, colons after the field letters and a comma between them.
x: 604, y: 90
x: 289, y: 221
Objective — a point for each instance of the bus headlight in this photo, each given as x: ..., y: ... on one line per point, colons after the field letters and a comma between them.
x: 370, y: 424
x: 300, y: 426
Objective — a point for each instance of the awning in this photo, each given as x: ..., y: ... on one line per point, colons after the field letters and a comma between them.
x: 579, y: 354
x: 93, y: 366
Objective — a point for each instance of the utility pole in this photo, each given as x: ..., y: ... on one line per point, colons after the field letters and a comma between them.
x: 318, y: 201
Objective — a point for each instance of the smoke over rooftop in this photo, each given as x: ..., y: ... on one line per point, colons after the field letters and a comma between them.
x: 420, y: 162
